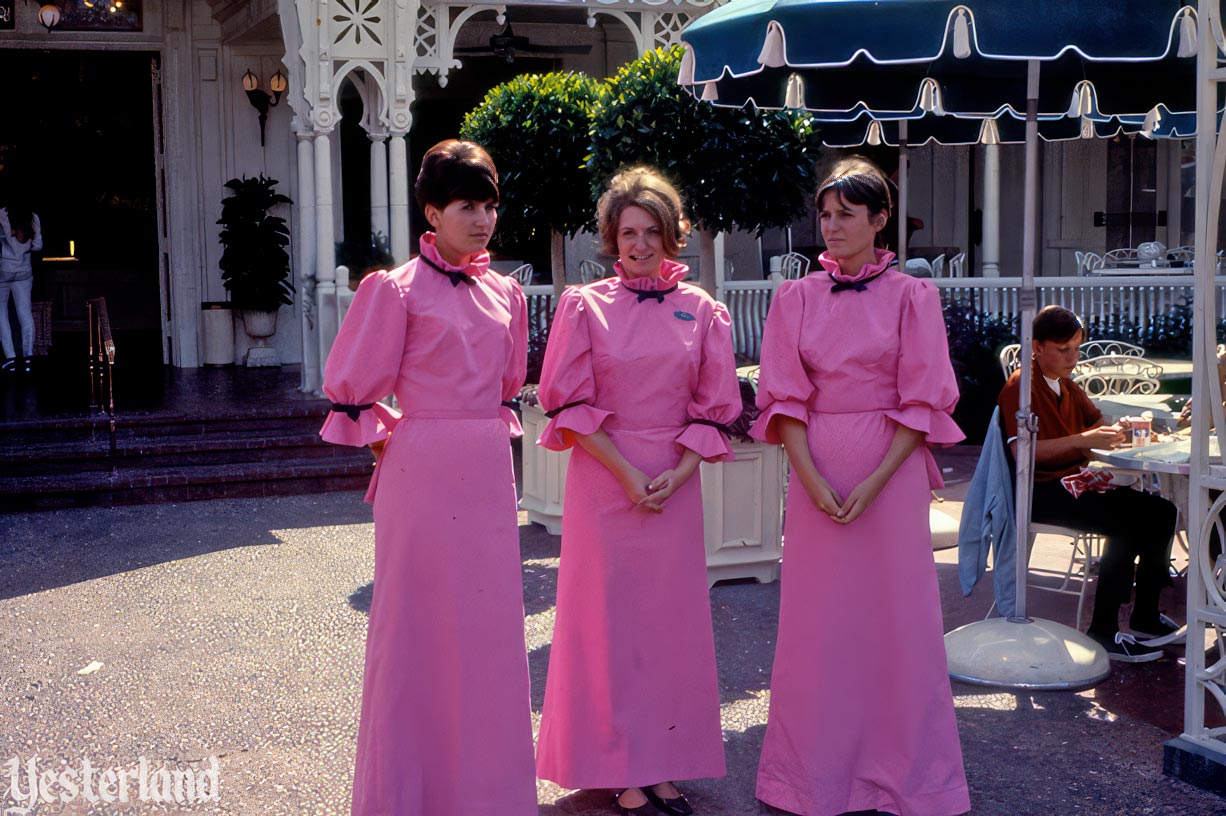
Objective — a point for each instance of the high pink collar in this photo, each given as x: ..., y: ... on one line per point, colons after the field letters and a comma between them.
x: 670, y: 273
x: 884, y: 258
x: 479, y: 265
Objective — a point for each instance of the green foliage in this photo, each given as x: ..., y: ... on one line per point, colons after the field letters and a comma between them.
x: 254, y: 264
x: 362, y: 257
x: 536, y: 129
x: 750, y: 168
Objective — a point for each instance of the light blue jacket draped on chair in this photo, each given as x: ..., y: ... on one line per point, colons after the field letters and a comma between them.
x: 988, y: 522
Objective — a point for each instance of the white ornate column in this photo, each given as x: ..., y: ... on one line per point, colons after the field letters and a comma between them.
x: 380, y: 221
x: 312, y: 365
x: 991, y: 211
x: 325, y: 250
x: 399, y: 196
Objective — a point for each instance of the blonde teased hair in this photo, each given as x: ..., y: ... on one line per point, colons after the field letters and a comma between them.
x: 645, y: 188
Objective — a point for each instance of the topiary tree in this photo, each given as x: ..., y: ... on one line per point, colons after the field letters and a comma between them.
x: 734, y: 167
x: 536, y: 129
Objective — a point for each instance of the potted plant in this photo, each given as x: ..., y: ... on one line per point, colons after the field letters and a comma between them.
x: 255, y: 267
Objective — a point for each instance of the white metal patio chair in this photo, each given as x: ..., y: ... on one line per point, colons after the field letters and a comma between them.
x: 590, y: 271
x: 794, y: 266
x: 522, y: 273
x: 1114, y: 374
x: 1113, y: 257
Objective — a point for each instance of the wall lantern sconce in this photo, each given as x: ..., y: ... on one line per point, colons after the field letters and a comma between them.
x: 261, y: 100
x: 49, y: 16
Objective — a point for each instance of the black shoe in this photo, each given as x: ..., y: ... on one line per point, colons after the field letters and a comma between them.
x: 27, y: 365
x: 645, y: 809
x: 9, y: 366
x: 1124, y: 648
x: 677, y: 807
x: 1158, y: 627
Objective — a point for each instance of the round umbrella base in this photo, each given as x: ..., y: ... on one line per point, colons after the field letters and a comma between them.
x: 1031, y: 654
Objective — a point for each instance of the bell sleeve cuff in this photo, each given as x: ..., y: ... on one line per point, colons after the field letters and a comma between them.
x: 507, y: 414
x: 580, y: 418
x: 937, y: 426
x: 707, y: 441
x: 762, y: 428
x: 373, y: 424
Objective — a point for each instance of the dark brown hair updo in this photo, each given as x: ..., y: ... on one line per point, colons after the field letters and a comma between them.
x: 645, y: 188
x: 857, y: 180
x: 1056, y: 324
x: 454, y: 169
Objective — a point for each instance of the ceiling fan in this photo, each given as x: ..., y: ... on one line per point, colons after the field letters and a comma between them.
x: 507, y: 44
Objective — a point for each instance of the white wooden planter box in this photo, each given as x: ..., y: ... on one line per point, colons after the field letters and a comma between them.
x: 742, y: 502
x: 544, y: 473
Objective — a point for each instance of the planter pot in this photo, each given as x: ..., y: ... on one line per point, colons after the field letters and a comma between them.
x: 742, y: 502
x: 217, y: 333
x: 544, y: 473
x: 259, y: 327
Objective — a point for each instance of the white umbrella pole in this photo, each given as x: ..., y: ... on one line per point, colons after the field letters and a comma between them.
x: 1021, y: 652
x: 1025, y: 421
x: 902, y: 195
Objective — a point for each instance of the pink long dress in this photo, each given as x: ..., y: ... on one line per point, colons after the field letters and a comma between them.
x: 446, y: 719
x: 861, y: 712
x: 632, y: 696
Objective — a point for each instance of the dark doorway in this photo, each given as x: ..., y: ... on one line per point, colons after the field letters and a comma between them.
x: 78, y: 135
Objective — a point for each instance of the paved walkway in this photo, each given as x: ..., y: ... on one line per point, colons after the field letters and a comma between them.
x: 235, y: 629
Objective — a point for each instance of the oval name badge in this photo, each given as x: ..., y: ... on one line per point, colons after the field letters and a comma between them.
x: 683, y: 315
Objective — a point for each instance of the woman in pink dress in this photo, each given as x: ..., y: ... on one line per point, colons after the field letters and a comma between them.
x: 856, y: 384
x: 446, y: 720
x: 639, y: 377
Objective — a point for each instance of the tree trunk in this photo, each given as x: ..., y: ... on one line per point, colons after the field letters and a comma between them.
x: 557, y: 263
x: 706, y: 260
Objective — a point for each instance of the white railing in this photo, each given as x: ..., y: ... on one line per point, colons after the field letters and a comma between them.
x: 1131, y: 299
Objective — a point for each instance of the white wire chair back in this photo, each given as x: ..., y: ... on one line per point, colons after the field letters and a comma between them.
x: 1183, y: 254
x: 590, y: 271
x: 957, y: 265
x: 1088, y: 262
x: 938, y: 266
x: 1115, y: 374
x: 1114, y: 256
x: 522, y: 273
x: 794, y: 266
x: 1104, y: 348
x: 1010, y: 358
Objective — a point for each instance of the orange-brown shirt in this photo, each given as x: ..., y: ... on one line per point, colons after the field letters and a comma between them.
x: 1070, y: 413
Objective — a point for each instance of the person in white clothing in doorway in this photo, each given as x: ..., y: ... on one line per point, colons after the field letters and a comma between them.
x: 20, y: 236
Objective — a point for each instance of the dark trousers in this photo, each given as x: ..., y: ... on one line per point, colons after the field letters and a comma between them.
x: 1138, y: 527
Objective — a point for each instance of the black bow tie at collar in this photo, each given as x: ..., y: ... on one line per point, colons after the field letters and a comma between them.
x: 656, y: 295
x: 856, y: 285
x: 456, y: 277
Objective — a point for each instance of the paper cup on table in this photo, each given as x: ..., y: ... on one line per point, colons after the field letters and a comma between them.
x: 1142, y: 427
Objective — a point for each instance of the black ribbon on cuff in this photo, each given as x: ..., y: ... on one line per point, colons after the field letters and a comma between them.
x: 456, y: 277
x: 556, y: 411
x: 656, y: 295
x: 719, y: 426
x: 854, y: 286
x: 351, y: 411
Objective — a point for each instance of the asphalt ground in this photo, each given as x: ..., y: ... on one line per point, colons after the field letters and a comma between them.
x: 235, y: 629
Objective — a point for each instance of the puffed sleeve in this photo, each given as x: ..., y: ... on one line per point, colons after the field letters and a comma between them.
x: 927, y: 388
x: 516, y: 371
x: 717, y: 399
x: 784, y: 387
x: 568, y: 384
x: 364, y: 362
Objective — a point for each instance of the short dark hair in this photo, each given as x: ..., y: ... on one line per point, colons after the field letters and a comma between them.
x: 647, y: 189
x: 455, y: 169
x: 1056, y: 324
x: 857, y: 180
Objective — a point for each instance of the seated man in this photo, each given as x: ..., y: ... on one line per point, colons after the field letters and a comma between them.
x: 1135, y: 524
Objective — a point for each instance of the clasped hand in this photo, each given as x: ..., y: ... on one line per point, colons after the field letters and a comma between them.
x: 650, y: 494
x: 843, y: 511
